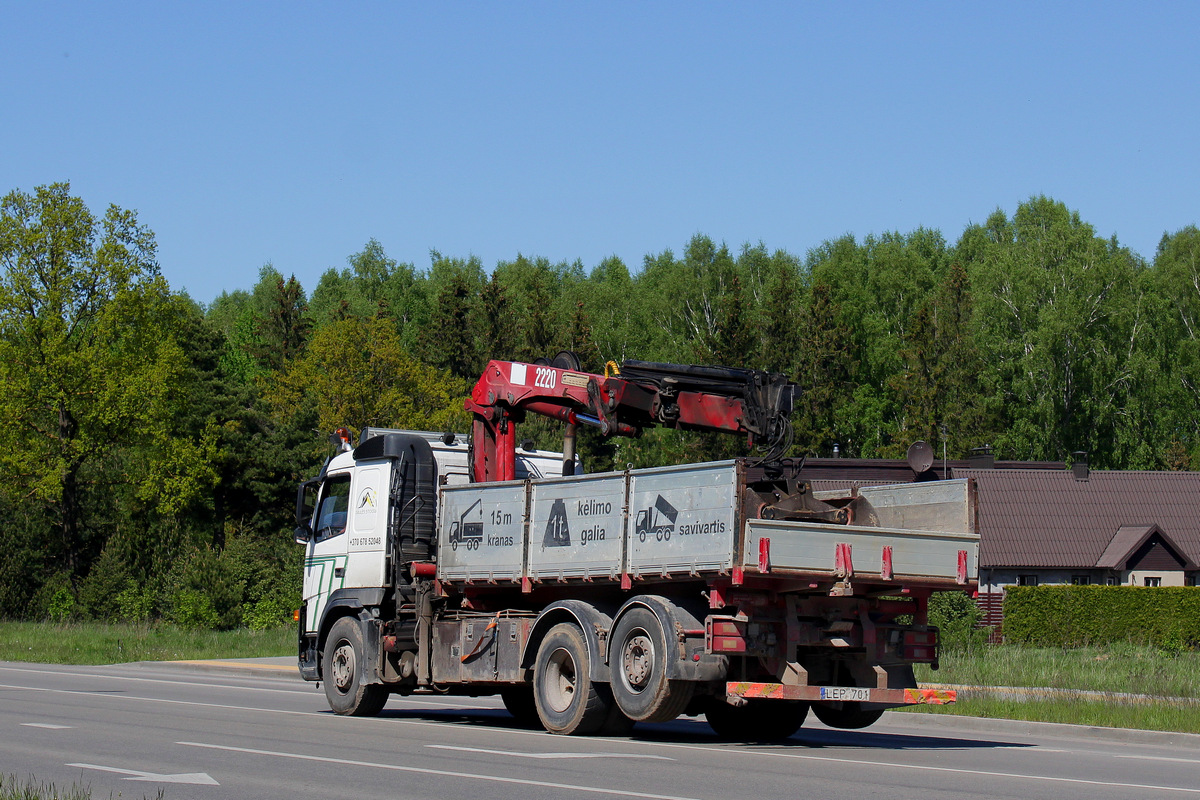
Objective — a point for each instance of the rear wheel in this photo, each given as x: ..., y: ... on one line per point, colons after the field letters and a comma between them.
x: 519, y: 702
x: 848, y: 715
x: 567, y: 700
x: 757, y: 721
x: 341, y: 665
x: 639, y: 675
x: 616, y: 723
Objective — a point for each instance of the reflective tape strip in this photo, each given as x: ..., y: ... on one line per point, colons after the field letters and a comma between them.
x: 936, y: 697
x: 755, y: 690
x: 890, y: 697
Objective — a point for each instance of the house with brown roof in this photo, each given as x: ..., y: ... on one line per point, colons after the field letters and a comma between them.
x: 1079, y: 526
x: 1042, y: 523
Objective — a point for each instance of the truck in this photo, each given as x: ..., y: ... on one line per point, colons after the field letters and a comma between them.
x: 471, y: 565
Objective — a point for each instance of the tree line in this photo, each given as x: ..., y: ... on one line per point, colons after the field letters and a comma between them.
x: 152, y: 444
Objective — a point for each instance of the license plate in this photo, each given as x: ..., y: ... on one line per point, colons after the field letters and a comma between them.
x: 845, y: 693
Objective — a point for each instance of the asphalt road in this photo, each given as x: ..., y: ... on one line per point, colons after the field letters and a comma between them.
x: 257, y: 732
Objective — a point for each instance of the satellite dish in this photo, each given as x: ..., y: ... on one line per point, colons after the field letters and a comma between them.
x: 920, y: 456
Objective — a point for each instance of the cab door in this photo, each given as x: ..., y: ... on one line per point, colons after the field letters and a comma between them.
x: 366, y: 567
x: 326, y: 555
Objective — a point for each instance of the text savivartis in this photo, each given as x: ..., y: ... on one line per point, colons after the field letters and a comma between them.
x: 715, y: 526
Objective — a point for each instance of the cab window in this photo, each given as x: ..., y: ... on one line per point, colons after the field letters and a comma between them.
x: 331, y: 513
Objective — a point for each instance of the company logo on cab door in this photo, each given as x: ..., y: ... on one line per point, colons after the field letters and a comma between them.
x: 366, y: 499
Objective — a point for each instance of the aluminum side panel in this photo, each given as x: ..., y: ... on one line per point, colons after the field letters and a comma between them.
x: 682, y: 519
x: 481, y: 533
x: 576, y: 527
x: 932, y: 506
x: 812, y: 548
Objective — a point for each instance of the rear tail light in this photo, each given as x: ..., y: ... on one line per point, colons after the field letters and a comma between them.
x: 919, y: 645
x: 725, y: 635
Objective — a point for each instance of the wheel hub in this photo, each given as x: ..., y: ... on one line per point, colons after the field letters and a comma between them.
x: 560, y: 680
x: 343, y: 667
x: 638, y: 660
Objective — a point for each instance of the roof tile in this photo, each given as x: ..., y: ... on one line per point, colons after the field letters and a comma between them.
x: 1047, y: 518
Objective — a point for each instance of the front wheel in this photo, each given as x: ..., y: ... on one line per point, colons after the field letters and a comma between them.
x: 567, y: 700
x: 340, y: 669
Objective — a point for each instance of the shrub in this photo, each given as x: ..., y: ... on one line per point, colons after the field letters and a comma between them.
x: 108, y: 575
x: 134, y: 603
x: 957, y: 617
x: 1072, y: 616
x: 193, y: 610
x: 55, y: 600
x: 61, y: 605
x: 267, y: 613
x: 270, y: 570
x: 205, y: 590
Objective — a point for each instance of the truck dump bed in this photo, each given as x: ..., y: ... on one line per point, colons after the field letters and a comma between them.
x: 691, y: 521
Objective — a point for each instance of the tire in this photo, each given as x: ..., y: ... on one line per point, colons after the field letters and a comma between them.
x: 849, y: 716
x: 341, y: 663
x: 567, y: 700
x: 616, y: 723
x: 757, y: 721
x: 638, y: 659
x: 520, y: 703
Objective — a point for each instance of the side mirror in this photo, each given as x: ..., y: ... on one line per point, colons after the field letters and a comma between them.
x: 306, y: 499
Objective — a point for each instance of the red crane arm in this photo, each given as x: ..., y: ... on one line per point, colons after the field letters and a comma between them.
x: 641, y: 395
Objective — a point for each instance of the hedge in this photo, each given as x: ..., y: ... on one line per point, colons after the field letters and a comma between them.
x: 1072, y: 616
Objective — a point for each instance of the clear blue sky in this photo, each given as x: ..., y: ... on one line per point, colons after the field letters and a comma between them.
x: 292, y: 133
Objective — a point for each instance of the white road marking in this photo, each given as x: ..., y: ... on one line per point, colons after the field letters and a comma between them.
x: 439, y: 772
x: 324, y: 714
x: 641, y: 744
x: 1106, y: 754
x: 86, y: 693
x: 308, y: 691
x: 925, y: 768
x: 546, y: 755
x: 1164, y: 758
x: 47, y: 726
x: 197, y: 778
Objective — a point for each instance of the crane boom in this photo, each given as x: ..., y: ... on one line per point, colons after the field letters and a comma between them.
x: 641, y: 394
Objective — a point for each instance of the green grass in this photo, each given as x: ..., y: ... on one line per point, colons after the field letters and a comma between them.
x: 1159, y: 677
x: 1116, y: 668
x: 1156, y: 716
x: 98, y: 643
x: 32, y: 789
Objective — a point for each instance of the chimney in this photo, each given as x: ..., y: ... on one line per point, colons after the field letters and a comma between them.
x: 836, y: 453
x: 982, y: 458
x: 1080, y: 466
